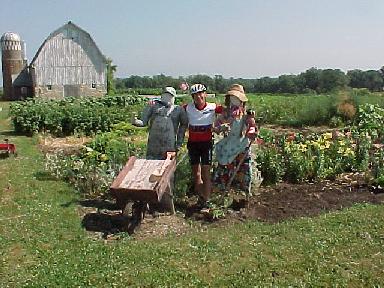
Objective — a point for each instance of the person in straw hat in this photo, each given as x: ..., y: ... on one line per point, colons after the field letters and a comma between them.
x: 232, y: 152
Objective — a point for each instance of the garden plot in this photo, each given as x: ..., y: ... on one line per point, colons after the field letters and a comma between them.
x: 271, y: 204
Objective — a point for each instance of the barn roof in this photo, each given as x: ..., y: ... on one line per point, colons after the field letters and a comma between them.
x: 57, y: 31
x: 23, y: 79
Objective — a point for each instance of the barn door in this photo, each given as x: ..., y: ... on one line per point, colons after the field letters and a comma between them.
x: 71, y: 90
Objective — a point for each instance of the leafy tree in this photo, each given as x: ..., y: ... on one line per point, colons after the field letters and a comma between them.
x: 203, y: 79
x: 356, y: 78
x: 219, y: 84
x: 312, y: 78
x: 374, y: 80
x: 287, y: 84
x: 111, y: 69
x: 331, y: 80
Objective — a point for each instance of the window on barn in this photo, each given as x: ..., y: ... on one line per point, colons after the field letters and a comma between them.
x: 49, y: 87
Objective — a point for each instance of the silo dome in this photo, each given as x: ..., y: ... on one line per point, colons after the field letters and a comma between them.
x: 10, y: 36
x: 10, y: 41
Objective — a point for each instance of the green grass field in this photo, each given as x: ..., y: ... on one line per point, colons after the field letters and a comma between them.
x: 42, y: 242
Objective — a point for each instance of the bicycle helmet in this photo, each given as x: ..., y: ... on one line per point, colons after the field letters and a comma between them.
x: 196, y: 88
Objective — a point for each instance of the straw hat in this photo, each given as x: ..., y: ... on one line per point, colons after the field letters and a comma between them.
x: 237, y: 90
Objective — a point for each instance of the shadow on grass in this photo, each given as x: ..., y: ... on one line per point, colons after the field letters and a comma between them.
x: 4, y: 155
x: 9, y: 133
x: 109, y: 219
x: 106, y: 223
x: 44, y: 176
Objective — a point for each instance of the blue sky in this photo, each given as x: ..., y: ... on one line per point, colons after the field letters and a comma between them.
x: 243, y: 38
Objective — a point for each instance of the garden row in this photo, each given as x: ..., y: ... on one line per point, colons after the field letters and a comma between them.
x: 335, y: 110
x: 296, y: 157
x: 93, y: 115
x: 85, y: 116
x: 293, y: 157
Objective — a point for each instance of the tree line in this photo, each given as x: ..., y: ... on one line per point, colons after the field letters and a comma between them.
x: 312, y: 80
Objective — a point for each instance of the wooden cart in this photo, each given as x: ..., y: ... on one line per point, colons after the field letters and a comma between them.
x: 144, y: 182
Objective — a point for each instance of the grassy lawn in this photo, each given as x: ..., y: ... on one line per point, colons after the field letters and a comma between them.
x: 42, y: 242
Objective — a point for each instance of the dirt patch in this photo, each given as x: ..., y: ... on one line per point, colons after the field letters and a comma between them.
x: 271, y: 204
x: 286, y: 201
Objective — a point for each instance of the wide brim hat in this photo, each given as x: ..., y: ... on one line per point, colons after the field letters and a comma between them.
x: 237, y: 91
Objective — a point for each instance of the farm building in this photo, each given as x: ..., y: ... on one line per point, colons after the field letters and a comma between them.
x: 68, y: 63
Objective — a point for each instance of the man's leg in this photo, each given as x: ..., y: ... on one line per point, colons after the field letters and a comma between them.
x: 197, y: 179
x: 207, y: 185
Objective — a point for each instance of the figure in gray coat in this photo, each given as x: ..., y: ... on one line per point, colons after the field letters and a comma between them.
x: 167, y: 125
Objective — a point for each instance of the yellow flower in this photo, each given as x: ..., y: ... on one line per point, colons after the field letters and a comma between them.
x: 327, y: 135
x: 349, y: 152
x: 103, y: 157
x: 302, y: 147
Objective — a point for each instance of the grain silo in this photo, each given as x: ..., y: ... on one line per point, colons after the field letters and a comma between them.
x: 14, y: 63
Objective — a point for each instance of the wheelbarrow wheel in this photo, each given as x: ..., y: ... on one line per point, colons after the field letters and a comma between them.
x: 139, y: 209
x: 128, y: 209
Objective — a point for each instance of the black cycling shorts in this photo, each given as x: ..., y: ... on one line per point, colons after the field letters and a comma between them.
x: 200, y: 152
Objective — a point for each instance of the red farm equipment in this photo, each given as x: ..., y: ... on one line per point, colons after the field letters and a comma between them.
x: 7, y: 148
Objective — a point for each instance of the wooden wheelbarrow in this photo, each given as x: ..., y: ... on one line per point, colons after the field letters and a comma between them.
x: 144, y: 182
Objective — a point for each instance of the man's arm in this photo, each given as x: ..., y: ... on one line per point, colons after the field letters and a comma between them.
x: 145, y: 116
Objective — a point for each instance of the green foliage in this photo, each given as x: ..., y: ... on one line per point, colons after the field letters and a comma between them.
x: 335, y: 122
x: 311, y: 81
x: 270, y: 163
x: 219, y: 205
x: 72, y: 115
x: 44, y: 244
x: 298, y: 110
x: 297, y: 166
x: 144, y: 91
x: 295, y: 158
x: 111, y: 69
x: 378, y: 167
x: 183, y: 177
x: 371, y: 80
x: 370, y: 120
x: 94, y: 168
x: 363, y: 146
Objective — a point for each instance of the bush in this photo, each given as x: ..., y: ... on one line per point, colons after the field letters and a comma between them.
x: 370, y: 120
x: 378, y: 167
x: 270, y: 164
x: 73, y: 115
